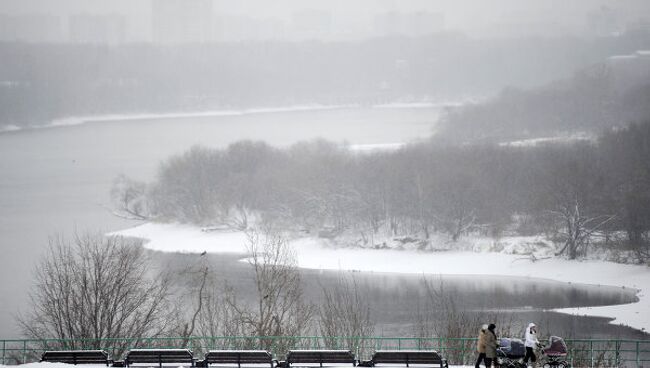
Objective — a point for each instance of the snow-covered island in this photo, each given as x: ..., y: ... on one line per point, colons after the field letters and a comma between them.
x: 504, y: 258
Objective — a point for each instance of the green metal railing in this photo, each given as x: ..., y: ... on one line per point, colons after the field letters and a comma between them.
x: 458, y: 351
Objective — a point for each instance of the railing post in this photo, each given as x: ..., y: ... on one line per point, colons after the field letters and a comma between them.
x: 24, y: 351
x: 638, y: 358
x: 4, y: 349
x: 357, y: 352
x: 591, y: 352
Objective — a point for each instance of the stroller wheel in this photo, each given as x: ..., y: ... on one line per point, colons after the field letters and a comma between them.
x: 547, y: 365
x: 562, y: 365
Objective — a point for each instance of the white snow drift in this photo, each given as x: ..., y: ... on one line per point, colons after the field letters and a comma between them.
x: 314, y: 253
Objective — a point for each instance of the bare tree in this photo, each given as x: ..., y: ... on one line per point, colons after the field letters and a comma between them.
x: 345, y: 312
x: 279, y: 308
x: 203, y: 310
x: 96, y: 287
x: 199, y: 276
x: 130, y: 198
x: 217, y: 317
x: 444, y: 315
x: 578, y: 228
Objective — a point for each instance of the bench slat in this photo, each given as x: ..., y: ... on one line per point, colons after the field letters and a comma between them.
x: 321, y: 357
x: 160, y: 356
x: 407, y: 357
x: 76, y: 357
x: 238, y: 357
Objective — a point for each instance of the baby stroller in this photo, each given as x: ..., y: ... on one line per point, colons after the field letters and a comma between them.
x: 555, y: 353
x: 510, y: 353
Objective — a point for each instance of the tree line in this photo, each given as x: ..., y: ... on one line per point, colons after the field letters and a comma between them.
x: 594, y: 98
x: 41, y: 82
x: 106, y: 292
x: 576, y: 194
x: 99, y: 291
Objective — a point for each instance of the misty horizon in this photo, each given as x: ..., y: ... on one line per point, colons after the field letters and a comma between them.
x: 291, y: 20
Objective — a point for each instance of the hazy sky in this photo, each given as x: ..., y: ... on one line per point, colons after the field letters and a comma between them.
x: 465, y: 15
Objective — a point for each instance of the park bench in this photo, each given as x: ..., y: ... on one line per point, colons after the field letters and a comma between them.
x: 76, y: 357
x: 238, y: 358
x: 159, y: 357
x: 408, y: 358
x: 322, y: 358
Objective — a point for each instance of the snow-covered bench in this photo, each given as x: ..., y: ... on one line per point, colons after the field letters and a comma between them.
x: 408, y: 358
x: 76, y: 357
x: 238, y: 358
x: 320, y: 358
x: 159, y: 356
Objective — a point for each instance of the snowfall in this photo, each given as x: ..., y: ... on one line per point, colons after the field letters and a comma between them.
x: 485, y: 257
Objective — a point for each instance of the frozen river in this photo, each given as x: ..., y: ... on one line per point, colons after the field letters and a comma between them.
x: 55, y: 180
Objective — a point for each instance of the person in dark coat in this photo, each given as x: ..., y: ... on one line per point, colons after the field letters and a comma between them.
x: 490, y: 346
x: 480, y: 347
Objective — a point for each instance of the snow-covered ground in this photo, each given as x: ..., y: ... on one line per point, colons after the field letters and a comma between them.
x: 315, y: 253
x: 369, y: 148
x: 559, y: 139
x: 79, y: 120
x: 63, y: 365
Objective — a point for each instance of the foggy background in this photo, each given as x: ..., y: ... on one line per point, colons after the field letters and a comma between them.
x: 177, y: 21
x: 80, y: 58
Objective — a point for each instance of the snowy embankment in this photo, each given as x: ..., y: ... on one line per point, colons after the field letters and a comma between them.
x: 314, y: 253
x: 558, y: 139
x: 79, y: 120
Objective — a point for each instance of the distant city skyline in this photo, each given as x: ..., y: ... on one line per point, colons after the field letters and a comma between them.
x: 224, y: 20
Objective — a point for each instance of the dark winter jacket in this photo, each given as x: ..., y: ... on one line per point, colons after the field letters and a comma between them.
x: 490, y: 344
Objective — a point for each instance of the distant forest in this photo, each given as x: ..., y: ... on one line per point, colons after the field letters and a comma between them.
x: 594, y: 99
x: 41, y: 82
x: 570, y: 193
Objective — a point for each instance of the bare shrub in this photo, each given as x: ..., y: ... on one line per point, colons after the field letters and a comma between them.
x: 345, y: 313
x: 444, y: 316
x: 279, y: 308
x: 129, y: 198
x: 96, y: 287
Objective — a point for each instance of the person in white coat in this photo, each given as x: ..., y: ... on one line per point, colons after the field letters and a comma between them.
x: 531, y: 343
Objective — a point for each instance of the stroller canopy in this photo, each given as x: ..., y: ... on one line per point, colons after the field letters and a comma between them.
x: 556, y: 347
x: 512, y: 348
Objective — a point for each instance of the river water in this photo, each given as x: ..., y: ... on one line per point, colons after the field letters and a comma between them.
x: 57, y: 180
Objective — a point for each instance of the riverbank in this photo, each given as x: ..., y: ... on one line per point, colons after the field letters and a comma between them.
x: 315, y: 253
x: 80, y: 120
